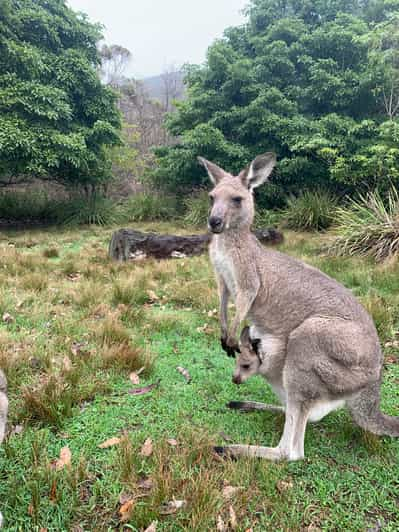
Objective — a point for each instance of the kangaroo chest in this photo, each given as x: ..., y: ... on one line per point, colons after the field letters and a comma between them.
x: 223, y: 264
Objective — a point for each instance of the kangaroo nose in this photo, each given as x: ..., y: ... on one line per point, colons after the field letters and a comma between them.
x: 215, y: 222
x: 236, y: 379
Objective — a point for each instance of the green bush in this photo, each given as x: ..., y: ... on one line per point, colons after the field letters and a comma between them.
x: 147, y: 206
x: 19, y: 206
x: 311, y: 211
x: 267, y: 218
x: 369, y: 226
x: 197, y: 208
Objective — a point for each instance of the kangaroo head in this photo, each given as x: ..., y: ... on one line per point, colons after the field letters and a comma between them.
x: 232, y: 196
x: 248, y: 360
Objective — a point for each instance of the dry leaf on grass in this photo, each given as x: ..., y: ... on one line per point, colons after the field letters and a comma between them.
x: 145, y: 484
x: 284, y: 485
x: 16, y: 429
x: 125, y: 511
x: 220, y: 525
x: 66, y: 363
x: 152, y: 527
x: 233, y: 518
x: 172, y: 442
x: 134, y: 376
x: 171, y: 507
x: 110, y: 443
x: 229, y: 491
x: 124, y: 497
x: 64, y: 459
x: 147, y: 449
x: 144, y: 389
x: 185, y: 373
x: 7, y: 318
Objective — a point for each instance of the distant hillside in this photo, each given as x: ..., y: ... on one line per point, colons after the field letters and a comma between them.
x: 167, y: 86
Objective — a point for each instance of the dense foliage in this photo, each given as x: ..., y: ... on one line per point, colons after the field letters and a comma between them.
x: 316, y: 81
x: 56, y: 118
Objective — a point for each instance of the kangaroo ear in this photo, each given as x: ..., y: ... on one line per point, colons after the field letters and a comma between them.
x: 244, y: 338
x: 255, y: 345
x: 215, y: 173
x: 258, y: 171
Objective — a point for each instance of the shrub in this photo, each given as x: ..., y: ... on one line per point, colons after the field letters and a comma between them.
x: 196, y: 208
x: 147, y: 206
x: 369, y: 226
x: 19, y: 206
x: 97, y: 210
x: 267, y: 218
x: 311, y: 211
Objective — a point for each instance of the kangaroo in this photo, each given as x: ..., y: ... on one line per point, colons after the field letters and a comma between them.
x: 3, y: 414
x: 320, y: 344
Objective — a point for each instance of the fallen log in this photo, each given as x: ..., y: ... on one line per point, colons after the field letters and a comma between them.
x: 128, y: 244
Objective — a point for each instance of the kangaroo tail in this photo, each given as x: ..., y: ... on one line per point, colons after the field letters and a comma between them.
x: 365, y: 410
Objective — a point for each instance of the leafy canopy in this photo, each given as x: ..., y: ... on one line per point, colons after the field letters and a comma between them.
x: 308, y: 79
x: 56, y: 118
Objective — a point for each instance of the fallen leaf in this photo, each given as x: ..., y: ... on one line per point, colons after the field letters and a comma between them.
x: 31, y: 510
x: 53, y: 491
x: 233, y: 518
x: 66, y: 363
x: 185, y: 373
x: 110, y: 443
x: 7, y: 318
x: 16, y: 429
x: 229, y: 491
x: 144, y: 389
x: 152, y: 527
x: 172, y: 442
x: 126, y: 509
x: 220, y: 525
x: 134, y: 378
x: 145, y: 483
x: 284, y: 485
x: 64, y: 460
x: 171, y: 507
x: 125, y: 497
x: 152, y: 295
x: 146, y: 449
x: 41, y: 529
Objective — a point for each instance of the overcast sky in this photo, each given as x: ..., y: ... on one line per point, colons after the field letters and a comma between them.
x: 162, y: 32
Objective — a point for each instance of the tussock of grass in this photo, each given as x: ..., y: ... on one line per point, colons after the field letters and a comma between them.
x: 369, y: 226
x: 311, y: 211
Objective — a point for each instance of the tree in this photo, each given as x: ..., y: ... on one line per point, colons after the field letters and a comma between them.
x: 56, y: 118
x: 299, y: 78
x: 114, y: 60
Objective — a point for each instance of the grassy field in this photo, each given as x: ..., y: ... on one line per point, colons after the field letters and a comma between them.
x: 74, y: 328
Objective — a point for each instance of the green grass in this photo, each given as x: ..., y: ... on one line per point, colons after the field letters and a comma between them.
x: 78, y: 334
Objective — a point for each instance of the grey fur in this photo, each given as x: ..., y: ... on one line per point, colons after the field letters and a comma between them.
x: 319, y: 348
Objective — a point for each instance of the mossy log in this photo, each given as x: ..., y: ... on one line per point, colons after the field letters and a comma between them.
x: 128, y: 244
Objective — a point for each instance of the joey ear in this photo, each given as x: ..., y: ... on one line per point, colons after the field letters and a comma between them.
x: 255, y: 345
x: 244, y: 338
x: 215, y: 173
x: 258, y: 171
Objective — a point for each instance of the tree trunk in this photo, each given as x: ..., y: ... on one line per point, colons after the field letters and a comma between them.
x: 128, y: 244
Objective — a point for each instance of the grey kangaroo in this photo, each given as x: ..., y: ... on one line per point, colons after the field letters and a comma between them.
x: 3, y: 414
x: 319, y: 347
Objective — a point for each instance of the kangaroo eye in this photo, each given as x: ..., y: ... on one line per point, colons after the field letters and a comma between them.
x: 237, y: 200
x: 211, y: 198
x: 246, y: 366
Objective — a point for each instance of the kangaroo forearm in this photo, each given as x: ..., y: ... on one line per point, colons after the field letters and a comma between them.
x: 224, y: 299
x: 3, y: 415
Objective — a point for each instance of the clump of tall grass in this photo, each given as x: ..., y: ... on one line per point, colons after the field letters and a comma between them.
x: 148, y: 206
x: 311, y: 211
x: 96, y: 210
x: 196, y: 208
x: 369, y: 226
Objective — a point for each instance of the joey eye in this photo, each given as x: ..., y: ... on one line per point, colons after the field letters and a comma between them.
x: 246, y: 366
x: 237, y: 200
